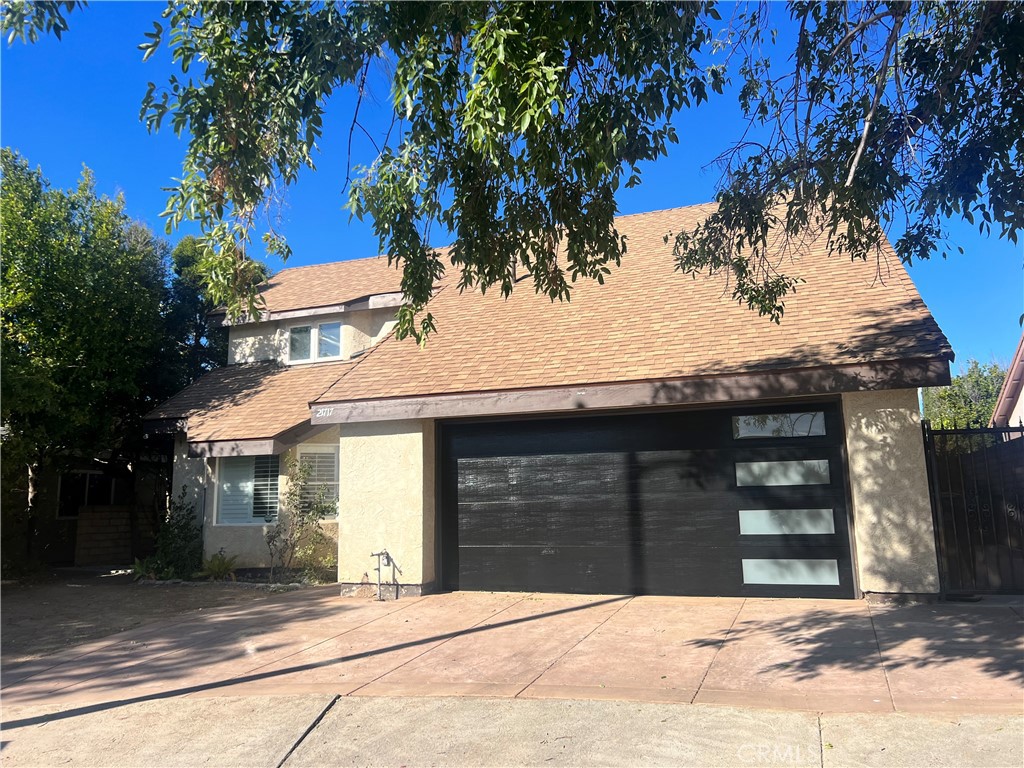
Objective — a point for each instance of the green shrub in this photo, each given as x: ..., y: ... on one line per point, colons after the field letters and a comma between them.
x: 296, y: 541
x: 219, y: 567
x: 179, y: 544
x: 151, y: 568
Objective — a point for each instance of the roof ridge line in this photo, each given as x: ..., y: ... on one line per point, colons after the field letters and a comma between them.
x: 666, y: 210
x: 331, y: 263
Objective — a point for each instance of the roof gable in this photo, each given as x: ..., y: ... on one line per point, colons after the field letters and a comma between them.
x: 649, y: 321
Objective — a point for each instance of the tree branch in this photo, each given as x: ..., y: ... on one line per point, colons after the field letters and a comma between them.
x: 880, y: 84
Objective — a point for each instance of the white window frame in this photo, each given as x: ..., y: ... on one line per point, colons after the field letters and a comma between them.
x: 60, y: 485
x: 314, y: 342
x: 253, y: 521
x: 321, y: 448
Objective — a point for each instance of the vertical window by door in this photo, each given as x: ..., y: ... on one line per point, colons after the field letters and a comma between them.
x: 323, y: 474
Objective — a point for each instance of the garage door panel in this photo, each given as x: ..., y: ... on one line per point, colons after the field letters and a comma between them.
x: 600, y: 524
x: 540, y: 478
x: 670, y: 503
x: 592, y: 570
x: 517, y: 523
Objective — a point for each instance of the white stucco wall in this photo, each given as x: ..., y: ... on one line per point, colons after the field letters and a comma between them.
x: 387, y: 500
x: 895, y: 542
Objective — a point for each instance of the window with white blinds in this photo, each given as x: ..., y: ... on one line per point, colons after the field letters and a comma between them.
x: 323, y: 473
x: 264, y: 492
x: 247, y: 490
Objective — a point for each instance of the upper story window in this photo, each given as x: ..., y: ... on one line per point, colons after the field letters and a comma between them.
x: 308, y: 343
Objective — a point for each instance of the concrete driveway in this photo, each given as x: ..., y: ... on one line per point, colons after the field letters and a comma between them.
x: 820, y: 656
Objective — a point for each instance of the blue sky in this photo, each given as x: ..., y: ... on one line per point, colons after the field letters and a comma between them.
x: 74, y: 102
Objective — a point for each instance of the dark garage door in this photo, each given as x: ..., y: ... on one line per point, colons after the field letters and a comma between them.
x: 739, y: 502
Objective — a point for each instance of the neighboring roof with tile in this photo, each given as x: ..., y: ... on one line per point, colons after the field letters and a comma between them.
x: 649, y: 321
x: 324, y: 285
x: 253, y: 401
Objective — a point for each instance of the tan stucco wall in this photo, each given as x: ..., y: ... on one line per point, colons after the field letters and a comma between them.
x: 248, y: 542
x: 387, y: 500
x: 889, y: 486
x: 361, y: 330
x: 250, y: 343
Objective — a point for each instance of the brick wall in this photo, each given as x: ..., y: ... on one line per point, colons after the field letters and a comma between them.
x: 104, y: 536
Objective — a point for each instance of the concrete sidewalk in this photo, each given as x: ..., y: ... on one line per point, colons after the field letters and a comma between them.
x: 819, y: 656
x: 319, y: 730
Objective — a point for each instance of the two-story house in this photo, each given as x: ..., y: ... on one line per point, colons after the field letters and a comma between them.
x: 651, y: 435
x: 237, y: 427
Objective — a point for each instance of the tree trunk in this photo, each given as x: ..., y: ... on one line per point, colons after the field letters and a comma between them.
x: 30, y: 509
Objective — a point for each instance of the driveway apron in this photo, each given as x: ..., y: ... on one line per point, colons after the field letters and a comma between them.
x: 815, y: 655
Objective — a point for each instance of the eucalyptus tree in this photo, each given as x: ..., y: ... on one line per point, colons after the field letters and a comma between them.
x: 515, y: 124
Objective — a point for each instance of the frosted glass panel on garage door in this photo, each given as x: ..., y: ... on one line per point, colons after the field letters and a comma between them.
x: 806, y: 472
x: 808, y: 424
x: 773, y: 522
x: 791, y: 571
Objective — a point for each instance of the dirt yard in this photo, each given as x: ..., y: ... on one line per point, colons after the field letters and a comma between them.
x: 74, y: 607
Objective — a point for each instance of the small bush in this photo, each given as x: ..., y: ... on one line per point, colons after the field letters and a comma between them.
x: 219, y: 567
x: 296, y: 541
x: 151, y: 568
x: 179, y: 544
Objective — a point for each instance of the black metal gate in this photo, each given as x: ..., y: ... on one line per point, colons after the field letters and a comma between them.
x: 977, y: 488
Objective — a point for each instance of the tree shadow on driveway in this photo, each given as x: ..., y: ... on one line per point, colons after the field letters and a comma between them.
x: 945, y: 639
x: 208, y: 647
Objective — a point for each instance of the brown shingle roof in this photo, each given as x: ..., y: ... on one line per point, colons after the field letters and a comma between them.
x: 650, y: 322
x: 324, y: 285
x: 254, y: 401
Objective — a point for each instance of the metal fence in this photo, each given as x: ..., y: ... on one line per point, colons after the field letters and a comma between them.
x: 977, y: 489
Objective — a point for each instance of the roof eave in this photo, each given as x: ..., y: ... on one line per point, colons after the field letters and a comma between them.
x: 220, y: 319
x: 258, y: 446
x: 1010, y: 392
x: 692, y: 390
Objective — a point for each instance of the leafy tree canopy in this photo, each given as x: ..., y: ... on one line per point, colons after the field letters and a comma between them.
x: 969, y: 400
x: 80, y: 306
x: 196, y: 344
x: 516, y: 123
